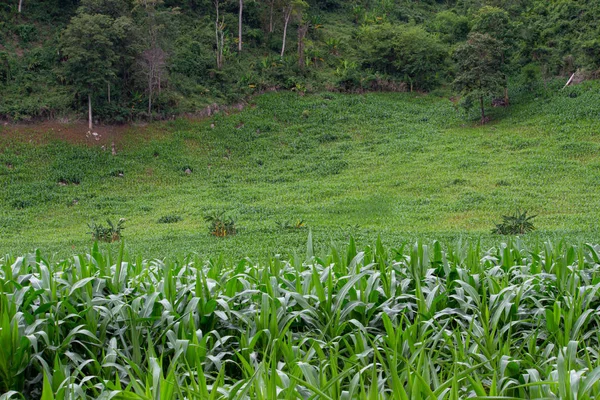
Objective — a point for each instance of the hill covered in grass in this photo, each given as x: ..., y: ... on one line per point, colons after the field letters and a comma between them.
x: 404, y: 166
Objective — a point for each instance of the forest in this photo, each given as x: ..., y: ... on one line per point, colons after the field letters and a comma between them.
x: 120, y: 61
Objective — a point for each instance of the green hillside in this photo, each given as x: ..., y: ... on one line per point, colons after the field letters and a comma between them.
x: 405, y: 166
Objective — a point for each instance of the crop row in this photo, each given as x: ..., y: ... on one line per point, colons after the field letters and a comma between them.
x: 416, y: 322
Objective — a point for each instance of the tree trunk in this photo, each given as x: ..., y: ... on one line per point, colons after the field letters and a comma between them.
x: 90, y: 111
x: 108, y: 92
x: 287, y: 13
x: 150, y: 96
x: 20, y: 6
x: 219, y: 37
x: 302, y: 30
x: 482, y: 110
x: 271, y: 17
x: 240, y: 26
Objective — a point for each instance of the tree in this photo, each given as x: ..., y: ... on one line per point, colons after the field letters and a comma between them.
x: 302, y: 31
x: 153, y: 59
x: 408, y: 52
x: 241, y: 10
x: 90, y: 58
x: 111, y: 8
x: 479, y: 69
x: 495, y: 22
x: 219, y: 34
x: 271, y: 4
x: 291, y: 9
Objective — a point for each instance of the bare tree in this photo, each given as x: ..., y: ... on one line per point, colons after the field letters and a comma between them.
x: 153, y: 62
x: 153, y: 59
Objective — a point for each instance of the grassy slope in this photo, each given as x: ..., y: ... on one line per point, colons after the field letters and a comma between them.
x: 402, y: 165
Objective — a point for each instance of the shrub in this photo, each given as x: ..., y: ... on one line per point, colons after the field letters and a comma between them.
x: 110, y: 233
x: 169, y: 219
x: 220, y: 226
x: 517, y: 224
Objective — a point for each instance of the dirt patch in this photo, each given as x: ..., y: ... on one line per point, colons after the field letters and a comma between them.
x: 72, y: 132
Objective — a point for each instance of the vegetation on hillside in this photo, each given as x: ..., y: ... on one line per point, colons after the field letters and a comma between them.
x: 120, y: 61
x: 402, y: 165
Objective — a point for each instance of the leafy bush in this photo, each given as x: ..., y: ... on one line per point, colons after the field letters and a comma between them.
x: 169, y: 219
x: 26, y: 32
x: 220, y: 226
x: 517, y: 224
x: 110, y: 233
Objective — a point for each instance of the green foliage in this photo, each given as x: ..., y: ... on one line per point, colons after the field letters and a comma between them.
x: 169, y: 219
x: 451, y: 27
x: 220, y: 225
x: 88, y: 46
x: 479, y: 69
x: 420, y: 321
x: 356, y: 160
x: 286, y: 225
x: 110, y: 233
x: 154, y: 60
x: 410, y: 53
x: 519, y: 223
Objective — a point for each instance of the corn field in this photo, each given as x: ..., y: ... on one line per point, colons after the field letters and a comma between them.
x: 422, y: 321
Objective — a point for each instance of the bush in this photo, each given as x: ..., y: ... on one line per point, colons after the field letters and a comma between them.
x: 220, y: 226
x: 169, y: 219
x: 110, y: 233
x: 517, y: 224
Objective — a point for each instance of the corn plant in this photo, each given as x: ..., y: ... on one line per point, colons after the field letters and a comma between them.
x: 421, y: 321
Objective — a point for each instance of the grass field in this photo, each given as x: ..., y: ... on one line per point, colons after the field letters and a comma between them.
x: 404, y: 166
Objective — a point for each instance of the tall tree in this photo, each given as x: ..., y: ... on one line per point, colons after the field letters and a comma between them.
x: 479, y: 69
x: 271, y: 4
x: 302, y: 31
x: 90, y: 57
x: 495, y: 21
x: 153, y: 59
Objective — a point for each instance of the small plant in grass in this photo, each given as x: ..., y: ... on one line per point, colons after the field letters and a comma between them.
x: 517, y: 224
x: 287, y: 225
x: 169, y: 219
x: 110, y: 233
x: 220, y: 225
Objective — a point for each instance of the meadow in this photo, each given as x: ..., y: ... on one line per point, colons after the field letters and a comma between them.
x: 404, y: 166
